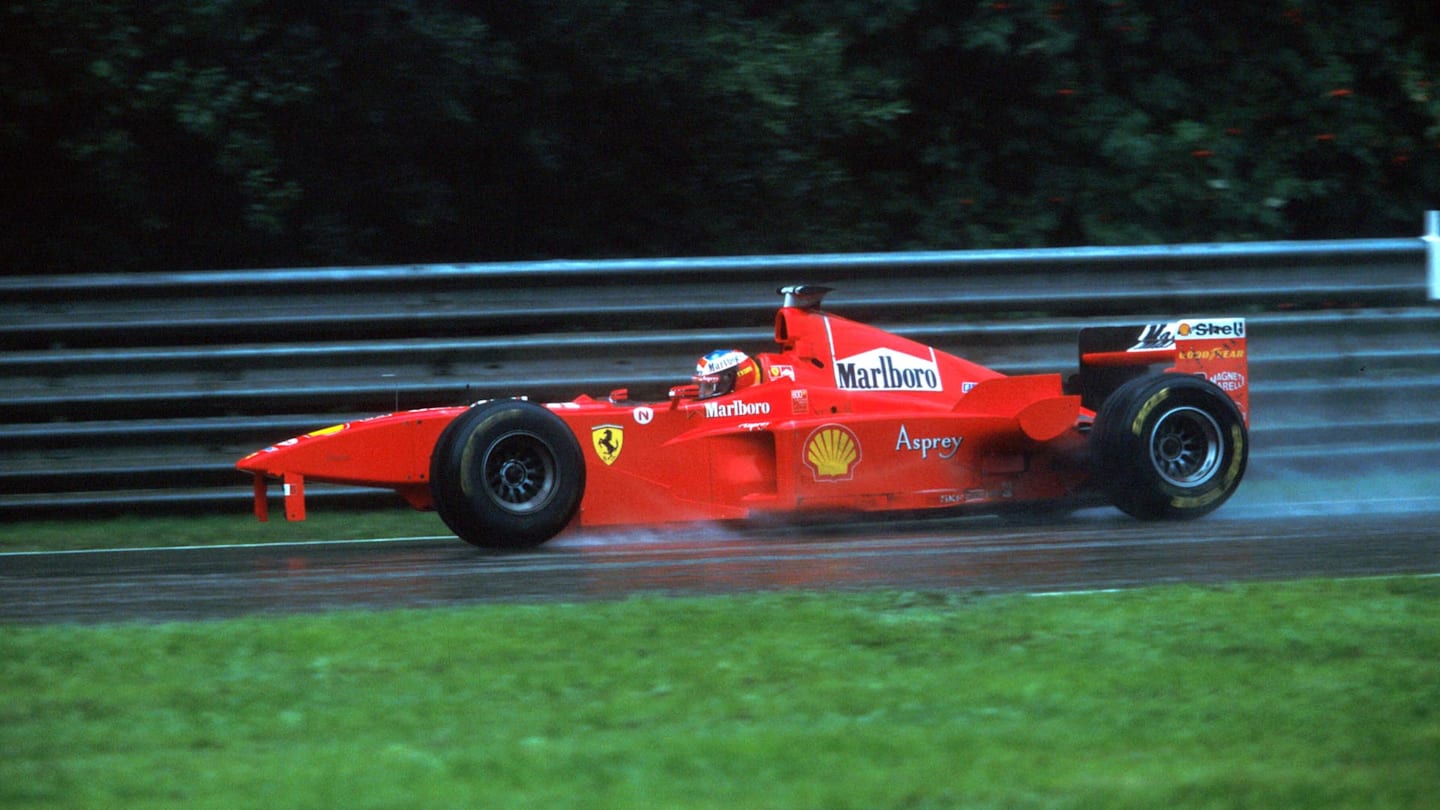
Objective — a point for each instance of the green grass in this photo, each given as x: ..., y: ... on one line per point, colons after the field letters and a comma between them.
x: 1310, y: 694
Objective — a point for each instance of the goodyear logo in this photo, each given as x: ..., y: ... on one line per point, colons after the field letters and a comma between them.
x: 832, y: 452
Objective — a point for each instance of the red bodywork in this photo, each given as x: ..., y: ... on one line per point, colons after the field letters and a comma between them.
x: 845, y: 417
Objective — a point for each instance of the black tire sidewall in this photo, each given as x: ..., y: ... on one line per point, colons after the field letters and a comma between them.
x: 457, y: 480
x: 1121, y: 452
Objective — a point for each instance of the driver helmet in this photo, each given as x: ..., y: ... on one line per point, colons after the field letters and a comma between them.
x: 725, y: 370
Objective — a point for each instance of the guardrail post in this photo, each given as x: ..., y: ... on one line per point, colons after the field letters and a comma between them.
x: 1432, y: 251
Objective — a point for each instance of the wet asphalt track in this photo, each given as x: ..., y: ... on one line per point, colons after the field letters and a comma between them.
x: 1263, y: 536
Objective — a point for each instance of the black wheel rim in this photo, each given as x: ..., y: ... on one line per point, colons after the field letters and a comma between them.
x: 1185, y: 447
x: 519, y: 471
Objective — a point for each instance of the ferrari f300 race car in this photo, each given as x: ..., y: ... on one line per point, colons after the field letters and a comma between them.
x: 844, y: 417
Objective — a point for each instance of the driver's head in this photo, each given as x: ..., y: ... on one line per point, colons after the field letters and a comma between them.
x: 725, y: 370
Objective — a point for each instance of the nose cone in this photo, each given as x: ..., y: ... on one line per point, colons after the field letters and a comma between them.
x: 253, y: 462
x: 390, y: 450
x: 291, y: 455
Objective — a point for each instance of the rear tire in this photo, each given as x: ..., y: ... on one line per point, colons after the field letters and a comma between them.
x: 1169, y: 446
x: 507, y: 474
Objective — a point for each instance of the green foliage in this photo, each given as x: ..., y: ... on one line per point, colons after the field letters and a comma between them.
x: 228, y: 133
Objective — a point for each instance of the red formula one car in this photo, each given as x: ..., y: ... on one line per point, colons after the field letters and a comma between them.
x: 844, y: 417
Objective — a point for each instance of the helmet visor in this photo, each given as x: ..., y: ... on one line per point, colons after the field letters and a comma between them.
x: 715, y: 385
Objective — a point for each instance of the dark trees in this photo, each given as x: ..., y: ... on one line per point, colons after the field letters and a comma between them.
x: 233, y: 133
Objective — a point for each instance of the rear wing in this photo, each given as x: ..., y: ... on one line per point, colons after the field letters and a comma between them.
x: 1213, y: 348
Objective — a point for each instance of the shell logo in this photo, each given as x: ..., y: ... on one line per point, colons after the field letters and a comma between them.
x: 831, y: 452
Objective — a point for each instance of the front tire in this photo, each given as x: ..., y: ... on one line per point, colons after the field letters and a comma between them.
x: 1170, y: 446
x: 507, y: 474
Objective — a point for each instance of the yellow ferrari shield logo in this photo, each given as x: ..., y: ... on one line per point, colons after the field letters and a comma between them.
x: 607, y: 439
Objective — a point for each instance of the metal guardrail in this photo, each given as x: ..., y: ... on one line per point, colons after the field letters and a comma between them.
x: 1432, y: 252
x: 138, y: 392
